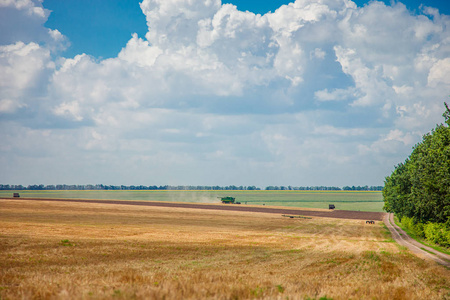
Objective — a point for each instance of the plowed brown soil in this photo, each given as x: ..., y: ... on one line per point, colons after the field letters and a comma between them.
x: 338, y: 214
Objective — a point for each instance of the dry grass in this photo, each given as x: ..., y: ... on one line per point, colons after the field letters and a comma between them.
x: 90, y: 251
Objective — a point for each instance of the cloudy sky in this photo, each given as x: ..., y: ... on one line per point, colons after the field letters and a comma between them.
x: 313, y: 92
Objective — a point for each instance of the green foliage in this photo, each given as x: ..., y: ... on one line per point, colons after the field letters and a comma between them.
x: 429, y: 171
x: 258, y: 292
x: 371, y: 255
x: 437, y: 233
x: 396, y: 191
x: 446, y: 114
x: 410, y: 224
x: 66, y: 243
x: 419, y: 189
x: 280, y: 288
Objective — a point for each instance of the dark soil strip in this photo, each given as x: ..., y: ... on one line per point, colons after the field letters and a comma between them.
x: 338, y: 214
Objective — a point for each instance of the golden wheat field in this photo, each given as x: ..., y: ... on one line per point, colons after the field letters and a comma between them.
x: 62, y: 250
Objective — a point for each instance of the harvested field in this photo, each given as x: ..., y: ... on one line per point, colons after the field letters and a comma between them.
x: 338, y: 214
x: 66, y: 250
x: 346, y: 200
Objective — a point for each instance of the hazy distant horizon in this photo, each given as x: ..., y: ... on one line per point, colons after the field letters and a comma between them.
x: 178, y: 92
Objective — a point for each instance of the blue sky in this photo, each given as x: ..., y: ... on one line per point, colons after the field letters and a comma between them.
x: 317, y: 92
x: 101, y: 28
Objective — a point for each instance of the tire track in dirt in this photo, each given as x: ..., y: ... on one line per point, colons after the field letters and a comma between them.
x: 402, y: 238
x: 338, y: 214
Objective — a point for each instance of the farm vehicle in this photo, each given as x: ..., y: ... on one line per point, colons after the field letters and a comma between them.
x: 228, y: 200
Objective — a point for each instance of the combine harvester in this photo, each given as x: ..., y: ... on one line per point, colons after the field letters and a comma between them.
x: 228, y: 200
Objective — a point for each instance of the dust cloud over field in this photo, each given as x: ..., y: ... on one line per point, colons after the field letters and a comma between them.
x: 193, y: 197
x: 78, y: 250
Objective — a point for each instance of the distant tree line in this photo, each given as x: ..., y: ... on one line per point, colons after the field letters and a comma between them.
x: 123, y: 187
x: 363, y: 188
x: 418, y: 190
x: 184, y: 187
x: 324, y: 188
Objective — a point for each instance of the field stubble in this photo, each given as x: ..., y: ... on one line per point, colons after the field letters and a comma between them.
x: 92, y: 251
x: 345, y: 200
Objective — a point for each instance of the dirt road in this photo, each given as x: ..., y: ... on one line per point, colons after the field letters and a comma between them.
x: 404, y: 239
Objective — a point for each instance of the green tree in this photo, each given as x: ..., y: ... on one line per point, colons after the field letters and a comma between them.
x: 420, y: 187
x: 397, y: 190
x: 430, y: 176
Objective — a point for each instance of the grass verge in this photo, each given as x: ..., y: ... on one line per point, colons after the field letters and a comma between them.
x: 413, y: 235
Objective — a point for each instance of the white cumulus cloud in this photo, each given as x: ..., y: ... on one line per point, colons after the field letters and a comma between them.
x: 317, y: 92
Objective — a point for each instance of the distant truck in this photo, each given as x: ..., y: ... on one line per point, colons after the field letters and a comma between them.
x: 228, y: 200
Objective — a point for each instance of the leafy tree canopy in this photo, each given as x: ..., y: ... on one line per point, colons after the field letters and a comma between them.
x: 420, y: 187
